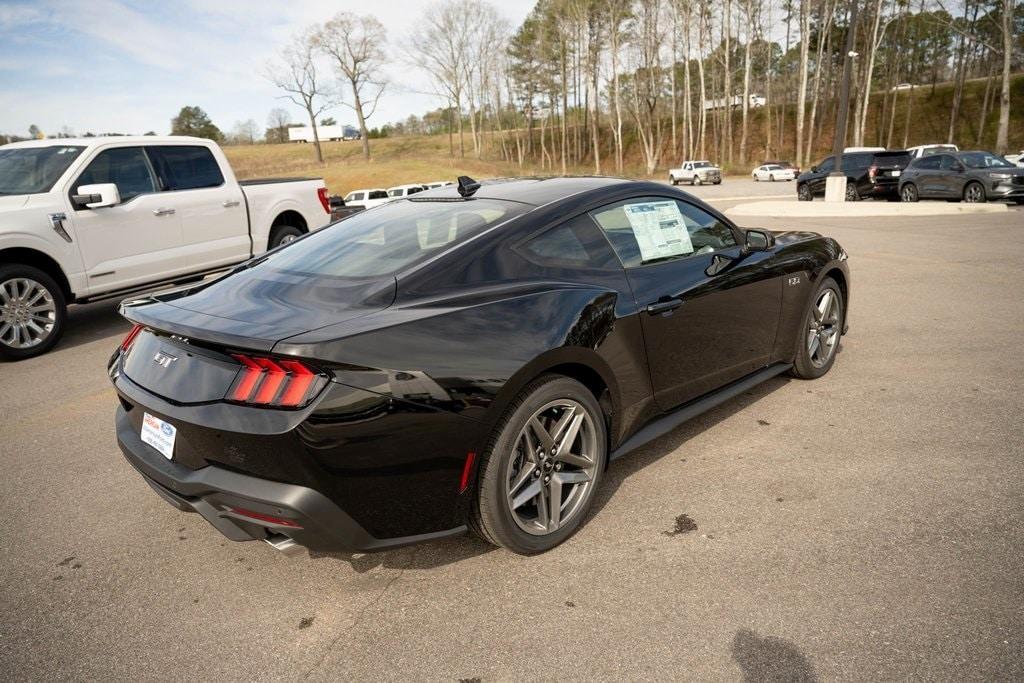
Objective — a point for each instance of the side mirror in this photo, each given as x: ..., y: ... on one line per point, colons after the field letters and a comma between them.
x: 814, y: 169
x: 758, y: 240
x: 959, y: 168
x: 96, y: 196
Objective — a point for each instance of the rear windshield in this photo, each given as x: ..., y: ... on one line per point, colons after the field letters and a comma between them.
x: 901, y: 159
x: 391, y: 237
x: 30, y: 170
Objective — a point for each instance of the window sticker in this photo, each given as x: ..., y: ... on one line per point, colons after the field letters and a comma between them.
x: 659, y: 229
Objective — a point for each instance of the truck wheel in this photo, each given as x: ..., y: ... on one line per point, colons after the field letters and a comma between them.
x: 32, y: 312
x: 696, y: 180
x: 283, y: 234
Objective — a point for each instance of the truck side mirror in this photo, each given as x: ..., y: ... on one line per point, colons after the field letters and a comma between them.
x: 96, y: 196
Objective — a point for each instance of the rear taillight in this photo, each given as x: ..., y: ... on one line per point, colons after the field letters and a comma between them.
x: 130, y: 339
x: 325, y: 201
x: 274, y: 382
x: 872, y: 172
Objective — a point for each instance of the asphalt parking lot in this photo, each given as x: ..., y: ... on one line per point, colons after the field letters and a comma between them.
x: 868, y: 525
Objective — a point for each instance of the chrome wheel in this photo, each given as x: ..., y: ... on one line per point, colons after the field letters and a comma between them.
x: 288, y: 238
x: 974, y: 193
x: 908, y: 193
x: 823, y: 333
x: 27, y: 313
x: 553, y: 467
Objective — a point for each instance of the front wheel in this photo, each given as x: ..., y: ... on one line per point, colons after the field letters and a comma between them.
x: 539, y: 474
x: 974, y: 193
x: 819, y: 333
x: 672, y: 180
x: 908, y: 193
x: 32, y: 312
x: 803, y: 193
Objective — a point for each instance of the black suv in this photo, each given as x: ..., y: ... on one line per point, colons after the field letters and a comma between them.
x: 868, y: 174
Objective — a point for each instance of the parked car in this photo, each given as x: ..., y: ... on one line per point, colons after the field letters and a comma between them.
x: 919, y: 151
x: 1016, y: 159
x: 431, y: 366
x: 695, y: 173
x: 783, y: 164
x: 902, y: 86
x: 400, y: 191
x: 83, y: 219
x: 368, y: 198
x: 437, y: 183
x: 967, y: 176
x: 868, y: 174
x: 772, y: 172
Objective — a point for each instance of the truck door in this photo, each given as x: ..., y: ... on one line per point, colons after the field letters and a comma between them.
x: 214, y: 221
x: 134, y: 242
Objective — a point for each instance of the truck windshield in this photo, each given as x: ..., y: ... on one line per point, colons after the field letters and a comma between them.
x: 31, y: 170
x: 386, y: 239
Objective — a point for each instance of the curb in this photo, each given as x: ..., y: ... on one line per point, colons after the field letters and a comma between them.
x: 798, y: 209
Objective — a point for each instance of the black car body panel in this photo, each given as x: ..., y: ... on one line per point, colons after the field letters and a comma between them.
x: 421, y: 372
x: 947, y: 175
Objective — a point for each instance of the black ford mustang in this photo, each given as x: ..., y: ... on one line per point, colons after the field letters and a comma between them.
x: 469, y: 357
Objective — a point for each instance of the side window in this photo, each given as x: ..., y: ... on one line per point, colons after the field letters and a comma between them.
x: 827, y: 165
x: 125, y: 167
x: 651, y: 229
x: 577, y: 243
x: 185, y: 168
x: 948, y: 163
x: 379, y: 194
x: 414, y: 190
x: 928, y: 163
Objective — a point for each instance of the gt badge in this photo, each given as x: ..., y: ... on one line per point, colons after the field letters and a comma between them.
x: 794, y: 281
x: 164, y: 360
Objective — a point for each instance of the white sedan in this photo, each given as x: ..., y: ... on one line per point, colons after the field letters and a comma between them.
x: 773, y: 172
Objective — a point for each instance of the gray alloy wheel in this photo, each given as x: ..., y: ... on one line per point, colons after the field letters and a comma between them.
x: 552, y: 471
x: 974, y: 193
x: 803, y: 193
x: 851, y: 192
x: 28, y: 313
x: 538, y: 475
x: 819, y: 333
x: 908, y: 193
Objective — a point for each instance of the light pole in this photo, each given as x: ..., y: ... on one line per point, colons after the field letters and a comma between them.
x: 835, y: 184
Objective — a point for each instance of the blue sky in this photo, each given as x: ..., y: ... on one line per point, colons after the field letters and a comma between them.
x: 115, y: 66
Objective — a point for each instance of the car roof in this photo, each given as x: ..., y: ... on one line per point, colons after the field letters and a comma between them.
x: 109, y: 139
x: 534, y: 190
x: 369, y: 189
x: 404, y: 187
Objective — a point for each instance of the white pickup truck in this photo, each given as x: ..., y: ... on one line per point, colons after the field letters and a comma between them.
x: 93, y: 218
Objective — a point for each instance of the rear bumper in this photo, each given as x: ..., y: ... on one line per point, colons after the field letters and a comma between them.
x: 314, y: 521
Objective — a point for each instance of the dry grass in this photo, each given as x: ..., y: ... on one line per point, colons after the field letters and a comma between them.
x: 396, y: 161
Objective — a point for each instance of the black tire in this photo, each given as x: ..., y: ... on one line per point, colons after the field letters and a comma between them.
x: 10, y: 273
x: 852, y: 195
x: 771, y: 178
x: 696, y: 180
x: 490, y: 515
x: 754, y: 176
x: 804, y: 365
x: 908, y: 193
x: 803, y: 193
x: 672, y: 181
x: 974, y: 193
x: 280, y: 234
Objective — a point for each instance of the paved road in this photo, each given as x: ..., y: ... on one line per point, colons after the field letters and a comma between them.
x: 868, y: 525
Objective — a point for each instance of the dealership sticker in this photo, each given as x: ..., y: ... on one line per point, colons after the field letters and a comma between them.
x: 659, y: 229
x: 158, y: 434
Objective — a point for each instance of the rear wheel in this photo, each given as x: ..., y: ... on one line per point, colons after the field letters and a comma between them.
x: 974, y: 193
x: 696, y: 180
x: 819, y: 333
x: 32, y: 312
x: 851, y: 192
x: 672, y: 180
x: 771, y: 178
x: 803, y: 192
x: 539, y: 474
x: 908, y: 193
x: 283, y: 234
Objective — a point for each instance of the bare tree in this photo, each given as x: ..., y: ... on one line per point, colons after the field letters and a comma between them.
x: 277, y: 125
x: 801, y: 103
x: 1002, y: 134
x: 438, y: 47
x: 356, y: 46
x: 295, y: 72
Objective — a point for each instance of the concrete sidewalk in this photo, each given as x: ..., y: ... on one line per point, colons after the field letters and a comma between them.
x: 819, y: 209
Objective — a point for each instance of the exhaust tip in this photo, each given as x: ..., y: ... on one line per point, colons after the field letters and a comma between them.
x: 283, y: 544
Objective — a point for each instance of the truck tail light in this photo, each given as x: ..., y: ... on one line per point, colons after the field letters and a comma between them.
x: 872, y: 172
x: 275, y: 383
x: 325, y: 201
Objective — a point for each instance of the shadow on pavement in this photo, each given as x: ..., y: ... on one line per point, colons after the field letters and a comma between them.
x: 423, y: 556
x: 770, y: 659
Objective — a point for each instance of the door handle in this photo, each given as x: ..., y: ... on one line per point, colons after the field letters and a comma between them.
x: 230, y: 203
x: 659, y: 307
x: 163, y: 212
